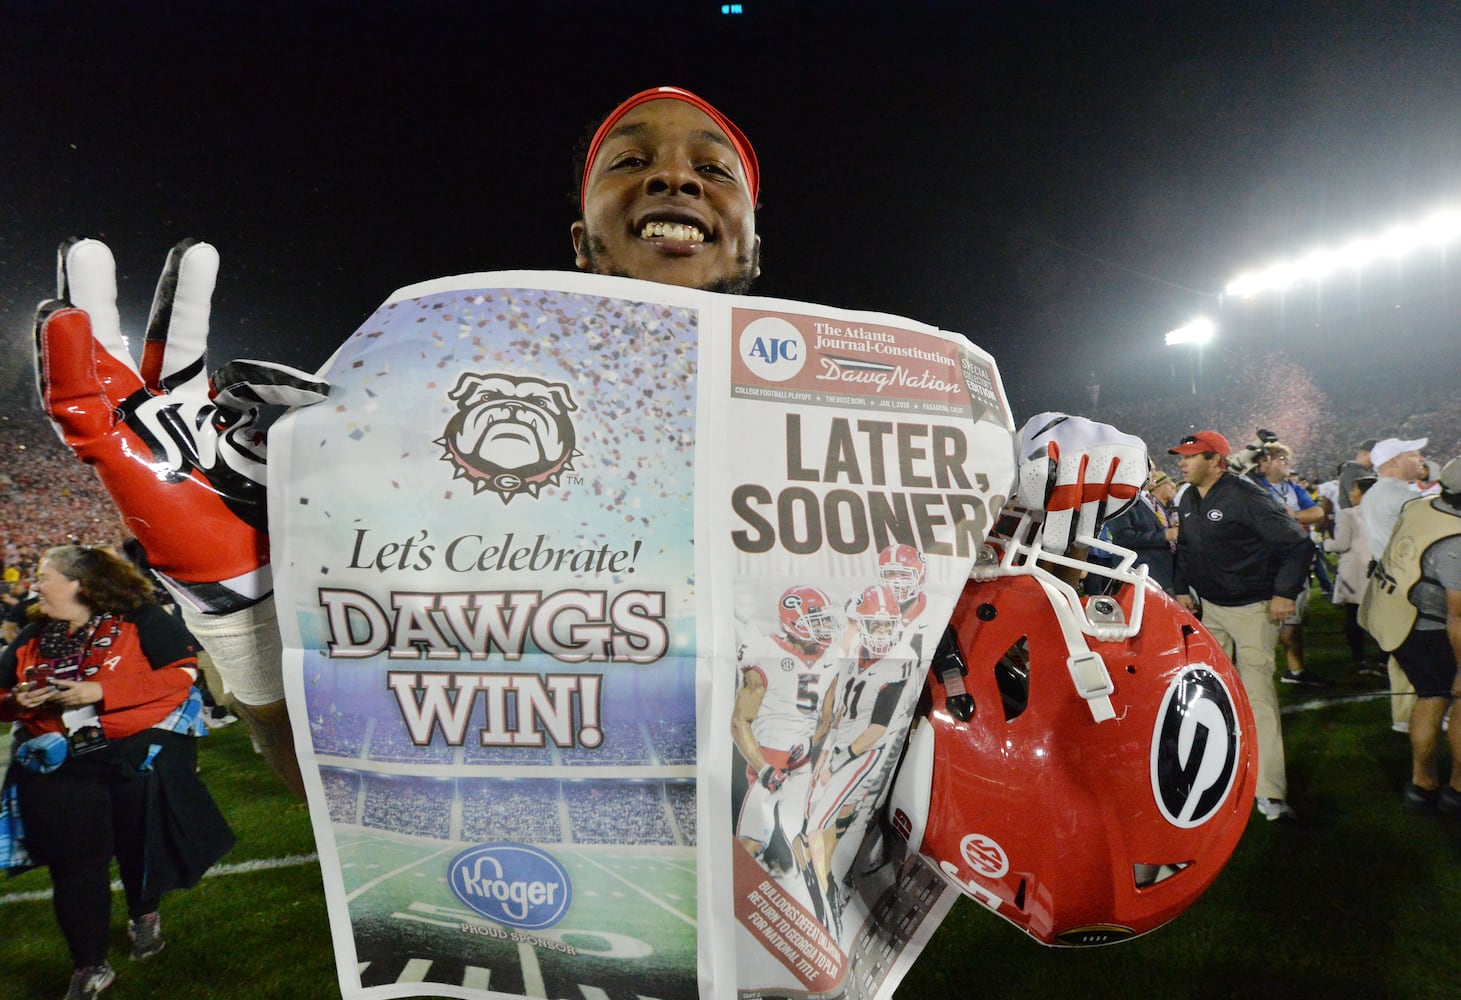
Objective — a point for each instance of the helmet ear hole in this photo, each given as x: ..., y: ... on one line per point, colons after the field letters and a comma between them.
x: 1012, y: 674
x: 1146, y: 875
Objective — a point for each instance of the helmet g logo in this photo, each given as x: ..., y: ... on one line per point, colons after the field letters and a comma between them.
x: 511, y: 433
x: 1194, y: 748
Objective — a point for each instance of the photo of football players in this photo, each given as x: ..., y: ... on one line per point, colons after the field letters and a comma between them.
x: 905, y: 569
x: 775, y: 720
x: 867, y: 702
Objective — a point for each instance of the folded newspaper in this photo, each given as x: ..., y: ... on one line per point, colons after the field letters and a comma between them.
x: 606, y: 607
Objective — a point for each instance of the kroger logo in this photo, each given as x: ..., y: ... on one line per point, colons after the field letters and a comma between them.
x: 513, y: 884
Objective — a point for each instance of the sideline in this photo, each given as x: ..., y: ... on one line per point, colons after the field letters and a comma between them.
x: 241, y: 868
x: 1309, y: 706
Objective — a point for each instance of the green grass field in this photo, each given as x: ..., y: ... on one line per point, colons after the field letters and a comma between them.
x: 1356, y: 900
x: 402, y: 913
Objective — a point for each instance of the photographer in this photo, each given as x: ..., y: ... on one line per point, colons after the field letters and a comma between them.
x: 101, y: 684
x: 1252, y: 459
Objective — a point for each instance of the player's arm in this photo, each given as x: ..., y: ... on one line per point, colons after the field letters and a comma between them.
x: 748, y: 703
x: 826, y: 723
x: 882, y: 714
x: 174, y: 448
x: 824, y: 718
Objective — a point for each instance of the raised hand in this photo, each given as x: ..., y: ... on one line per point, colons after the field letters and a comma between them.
x: 1079, y: 472
x: 184, y: 465
x: 186, y: 474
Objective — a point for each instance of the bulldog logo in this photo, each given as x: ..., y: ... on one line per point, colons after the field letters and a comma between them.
x: 511, y: 433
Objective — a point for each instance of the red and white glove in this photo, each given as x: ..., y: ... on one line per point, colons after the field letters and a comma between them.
x: 186, y: 473
x: 1079, y: 472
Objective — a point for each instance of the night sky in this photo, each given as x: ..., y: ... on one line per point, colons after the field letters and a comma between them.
x: 1061, y: 182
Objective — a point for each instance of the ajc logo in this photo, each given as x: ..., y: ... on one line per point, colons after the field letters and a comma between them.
x: 773, y: 349
x: 513, y: 884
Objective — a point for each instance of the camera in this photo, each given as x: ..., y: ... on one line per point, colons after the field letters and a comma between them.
x: 1243, y: 461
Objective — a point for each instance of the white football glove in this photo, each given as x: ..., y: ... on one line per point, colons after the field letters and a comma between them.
x: 1079, y: 473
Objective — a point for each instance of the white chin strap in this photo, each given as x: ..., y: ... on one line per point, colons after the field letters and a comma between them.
x: 1022, y: 555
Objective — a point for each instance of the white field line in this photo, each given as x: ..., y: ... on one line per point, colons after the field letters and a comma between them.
x: 647, y: 895
x: 1309, y: 706
x: 242, y: 868
x: 350, y: 897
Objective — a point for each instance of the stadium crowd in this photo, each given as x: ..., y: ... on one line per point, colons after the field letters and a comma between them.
x: 48, y: 497
x: 1323, y: 424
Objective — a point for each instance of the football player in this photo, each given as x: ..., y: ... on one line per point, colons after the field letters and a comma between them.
x: 904, y: 568
x: 776, y: 714
x: 861, y: 711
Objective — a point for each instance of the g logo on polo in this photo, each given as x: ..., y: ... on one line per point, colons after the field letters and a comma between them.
x: 511, y: 433
x: 512, y: 884
x: 1194, y: 748
x: 1214, y: 515
x: 773, y: 349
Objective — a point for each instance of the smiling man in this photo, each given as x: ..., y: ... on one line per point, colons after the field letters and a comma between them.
x: 668, y: 193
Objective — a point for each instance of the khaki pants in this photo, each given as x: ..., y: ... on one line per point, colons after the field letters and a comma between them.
x: 1248, y: 635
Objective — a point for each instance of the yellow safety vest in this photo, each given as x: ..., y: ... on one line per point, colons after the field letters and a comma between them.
x: 1386, y: 612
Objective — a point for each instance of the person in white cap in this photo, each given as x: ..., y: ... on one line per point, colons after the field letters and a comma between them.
x: 1398, y: 463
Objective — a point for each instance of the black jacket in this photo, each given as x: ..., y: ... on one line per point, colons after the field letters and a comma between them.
x: 1238, y: 545
x: 1138, y: 529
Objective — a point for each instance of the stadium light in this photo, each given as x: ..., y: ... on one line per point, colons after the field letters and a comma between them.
x: 1438, y: 229
x: 1199, y: 332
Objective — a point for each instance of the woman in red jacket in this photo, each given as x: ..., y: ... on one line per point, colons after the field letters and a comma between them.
x: 101, y: 684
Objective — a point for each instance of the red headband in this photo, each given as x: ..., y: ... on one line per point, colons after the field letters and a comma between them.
x: 737, y: 137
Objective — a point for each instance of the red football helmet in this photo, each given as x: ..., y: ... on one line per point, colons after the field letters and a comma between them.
x: 903, y: 568
x: 1086, y: 791
x: 806, y: 612
x: 879, y: 619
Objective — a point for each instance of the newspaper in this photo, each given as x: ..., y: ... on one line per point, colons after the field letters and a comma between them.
x: 559, y: 557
